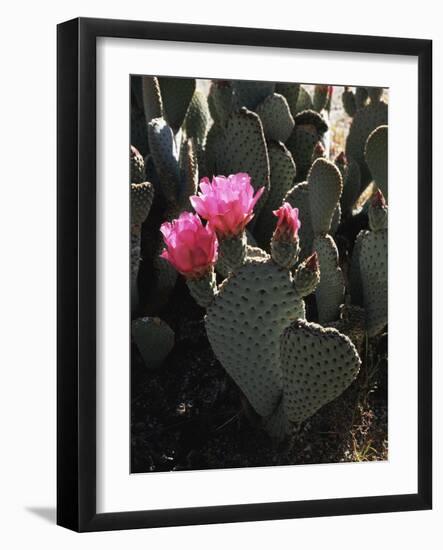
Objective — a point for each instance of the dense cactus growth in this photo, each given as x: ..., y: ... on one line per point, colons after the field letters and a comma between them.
x: 281, y: 243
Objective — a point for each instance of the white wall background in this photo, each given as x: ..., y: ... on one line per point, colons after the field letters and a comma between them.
x: 27, y: 273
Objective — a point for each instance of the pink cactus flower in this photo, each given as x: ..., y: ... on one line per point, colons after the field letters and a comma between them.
x: 227, y: 203
x: 288, y: 223
x: 191, y: 247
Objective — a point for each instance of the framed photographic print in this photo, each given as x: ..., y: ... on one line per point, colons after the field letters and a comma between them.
x: 244, y: 218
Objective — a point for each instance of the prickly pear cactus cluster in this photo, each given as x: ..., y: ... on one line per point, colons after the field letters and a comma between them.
x: 283, y: 244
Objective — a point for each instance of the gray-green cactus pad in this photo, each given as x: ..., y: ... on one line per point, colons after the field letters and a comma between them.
x: 282, y: 171
x: 139, y: 131
x: 348, y: 100
x: 176, y: 95
x: 325, y: 187
x: 304, y: 100
x: 198, y: 118
x: 301, y: 144
x: 351, y: 186
x: 244, y: 324
x: 154, y: 339
x: 290, y: 91
x: 203, y: 289
x: 276, y: 117
x: 242, y: 148
x: 165, y: 157
x: 142, y: 195
x: 331, y: 289
x: 298, y: 197
x: 374, y: 275
x: 366, y: 120
x: 250, y: 93
x: 231, y: 254
x: 318, y: 365
x: 220, y: 100
x: 320, y: 98
x: 188, y: 174
x: 354, y: 275
x: 376, y: 154
x: 152, y: 100
x: 137, y: 166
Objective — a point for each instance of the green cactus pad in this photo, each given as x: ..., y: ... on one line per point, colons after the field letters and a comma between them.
x: 331, y: 289
x: 203, y: 289
x: 374, y: 275
x: 154, y: 340
x: 351, y: 323
x: 283, y: 172
x: 320, y: 98
x: 285, y: 252
x: 276, y: 118
x: 165, y: 279
x: 142, y: 195
x: 301, y: 144
x: 336, y: 220
x: 307, y: 276
x: 152, y: 99
x: 290, y: 91
x: 243, y: 148
x: 325, y: 187
x: 214, y: 141
x: 231, y: 254
x: 310, y: 118
x: 376, y: 155
x: 318, y: 365
x: 244, y: 324
x: 298, y: 197
x: 220, y: 100
x: 355, y: 283
x: 135, y: 259
x: 139, y: 132
x: 351, y: 186
x: 366, y: 120
x: 304, y: 100
x: 176, y: 95
x: 137, y: 166
x: 188, y: 174
x: 348, y: 100
x: 165, y: 157
x: 250, y: 93
x: 198, y: 118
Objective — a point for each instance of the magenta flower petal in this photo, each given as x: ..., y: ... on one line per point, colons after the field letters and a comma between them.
x: 191, y: 247
x: 288, y: 223
x: 227, y: 203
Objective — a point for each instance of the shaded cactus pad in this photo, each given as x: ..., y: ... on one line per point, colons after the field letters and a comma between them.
x: 318, y: 365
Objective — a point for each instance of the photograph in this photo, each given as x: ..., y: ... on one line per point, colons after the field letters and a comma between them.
x: 258, y: 273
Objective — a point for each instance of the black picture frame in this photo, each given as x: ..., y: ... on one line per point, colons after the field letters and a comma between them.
x: 76, y: 294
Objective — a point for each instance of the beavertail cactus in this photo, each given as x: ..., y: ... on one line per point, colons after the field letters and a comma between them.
x: 258, y: 313
x: 365, y: 121
x: 318, y: 364
x: 154, y: 339
x: 284, y: 244
x: 376, y: 155
x: 142, y: 195
x: 373, y: 261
